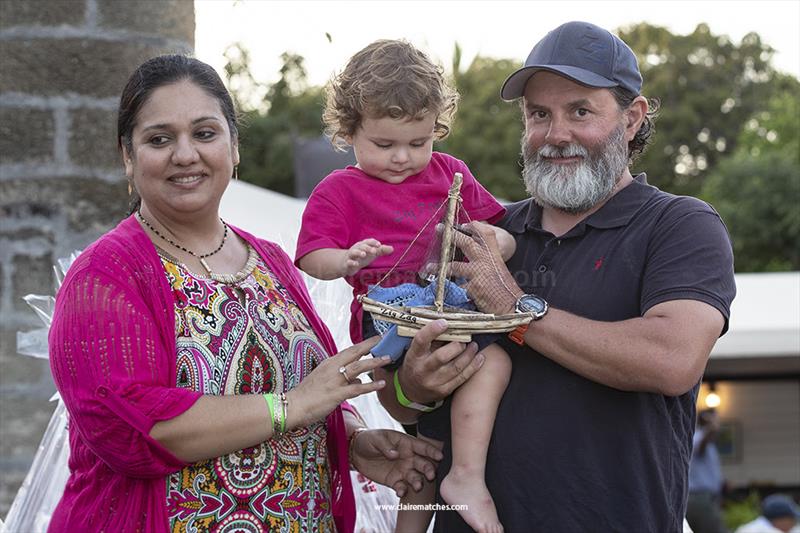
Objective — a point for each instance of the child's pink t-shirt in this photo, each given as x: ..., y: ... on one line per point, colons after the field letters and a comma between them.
x: 349, y: 206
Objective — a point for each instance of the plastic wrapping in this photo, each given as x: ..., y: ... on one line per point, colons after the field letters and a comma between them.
x: 42, y: 487
x: 41, y: 490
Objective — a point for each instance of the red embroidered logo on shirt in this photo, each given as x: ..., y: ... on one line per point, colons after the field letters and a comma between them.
x: 598, y: 263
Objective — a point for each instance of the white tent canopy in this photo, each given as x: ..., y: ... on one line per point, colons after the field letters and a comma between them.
x: 765, y: 317
x: 267, y: 214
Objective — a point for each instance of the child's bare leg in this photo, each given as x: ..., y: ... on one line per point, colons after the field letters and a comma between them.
x: 417, y: 521
x: 472, y: 418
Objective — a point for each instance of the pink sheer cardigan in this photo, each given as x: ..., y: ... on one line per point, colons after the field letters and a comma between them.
x: 112, y: 354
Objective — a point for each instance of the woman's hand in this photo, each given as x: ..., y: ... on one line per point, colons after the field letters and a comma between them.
x: 327, y: 386
x: 394, y: 459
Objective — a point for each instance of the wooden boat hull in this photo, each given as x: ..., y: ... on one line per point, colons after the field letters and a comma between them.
x: 461, y: 324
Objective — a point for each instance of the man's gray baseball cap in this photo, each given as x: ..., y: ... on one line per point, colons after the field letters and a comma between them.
x: 582, y: 52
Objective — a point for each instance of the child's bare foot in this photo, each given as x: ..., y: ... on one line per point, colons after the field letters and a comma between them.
x: 460, y: 487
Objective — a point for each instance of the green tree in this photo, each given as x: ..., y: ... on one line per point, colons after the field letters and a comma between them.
x: 757, y: 189
x: 709, y: 88
x: 245, y: 90
x: 486, y: 133
x: 289, y: 108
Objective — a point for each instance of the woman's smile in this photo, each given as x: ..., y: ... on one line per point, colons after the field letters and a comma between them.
x: 186, y: 179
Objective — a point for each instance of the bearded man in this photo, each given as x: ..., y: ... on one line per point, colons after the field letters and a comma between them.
x: 629, y: 288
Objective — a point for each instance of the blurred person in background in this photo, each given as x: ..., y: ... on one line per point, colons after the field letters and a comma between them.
x: 704, y: 510
x: 779, y: 514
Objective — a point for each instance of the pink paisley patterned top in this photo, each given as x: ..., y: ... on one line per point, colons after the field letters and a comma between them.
x: 242, y: 337
x: 113, y: 358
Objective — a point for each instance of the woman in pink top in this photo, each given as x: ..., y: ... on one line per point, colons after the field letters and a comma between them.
x: 201, y: 386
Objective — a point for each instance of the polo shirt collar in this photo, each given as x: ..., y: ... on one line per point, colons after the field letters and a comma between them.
x: 618, y: 211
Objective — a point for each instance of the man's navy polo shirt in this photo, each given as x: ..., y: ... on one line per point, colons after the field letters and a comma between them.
x: 569, y: 454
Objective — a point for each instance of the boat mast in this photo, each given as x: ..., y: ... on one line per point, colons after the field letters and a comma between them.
x: 453, y: 197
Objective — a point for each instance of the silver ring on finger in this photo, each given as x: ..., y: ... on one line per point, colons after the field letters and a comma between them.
x: 343, y: 372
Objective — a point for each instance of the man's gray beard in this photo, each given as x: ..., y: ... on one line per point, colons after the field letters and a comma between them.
x: 576, y: 188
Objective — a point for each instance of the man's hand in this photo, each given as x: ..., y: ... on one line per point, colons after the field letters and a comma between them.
x: 432, y: 371
x: 489, y: 283
x: 363, y: 253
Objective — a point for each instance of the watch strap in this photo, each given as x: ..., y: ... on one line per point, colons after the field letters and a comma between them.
x: 405, y: 402
x: 518, y: 335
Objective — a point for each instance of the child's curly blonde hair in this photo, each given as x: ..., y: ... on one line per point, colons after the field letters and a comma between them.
x: 388, y: 78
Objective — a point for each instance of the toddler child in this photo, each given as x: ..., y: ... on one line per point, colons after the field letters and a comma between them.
x: 390, y: 103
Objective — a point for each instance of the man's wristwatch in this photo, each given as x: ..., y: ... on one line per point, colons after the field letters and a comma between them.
x: 530, y: 303
x: 535, y: 306
x: 405, y: 402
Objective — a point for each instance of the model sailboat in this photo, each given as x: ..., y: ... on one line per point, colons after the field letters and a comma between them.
x: 462, y: 323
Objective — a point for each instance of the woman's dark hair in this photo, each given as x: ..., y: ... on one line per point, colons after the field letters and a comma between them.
x: 644, y: 136
x: 164, y: 70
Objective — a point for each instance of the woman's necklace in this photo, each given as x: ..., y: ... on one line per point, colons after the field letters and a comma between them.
x: 202, y: 258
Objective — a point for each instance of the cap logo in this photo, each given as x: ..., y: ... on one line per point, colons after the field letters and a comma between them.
x: 593, y: 47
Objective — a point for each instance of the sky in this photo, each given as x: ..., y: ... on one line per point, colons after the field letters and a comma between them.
x: 498, y: 29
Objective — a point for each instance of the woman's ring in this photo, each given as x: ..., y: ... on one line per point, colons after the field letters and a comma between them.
x: 343, y: 371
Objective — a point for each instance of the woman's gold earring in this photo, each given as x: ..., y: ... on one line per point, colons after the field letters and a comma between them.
x: 236, y: 172
x: 130, y: 188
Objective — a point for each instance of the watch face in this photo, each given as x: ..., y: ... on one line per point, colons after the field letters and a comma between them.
x: 528, y: 303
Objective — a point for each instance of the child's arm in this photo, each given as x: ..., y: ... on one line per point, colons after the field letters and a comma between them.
x: 505, y: 242
x: 333, y: 263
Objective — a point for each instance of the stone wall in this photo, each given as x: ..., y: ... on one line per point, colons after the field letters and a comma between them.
x: 63, y: 64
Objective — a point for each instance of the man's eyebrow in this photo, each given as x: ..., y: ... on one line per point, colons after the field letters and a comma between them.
x: 533, y: 105
x: 581, y: 102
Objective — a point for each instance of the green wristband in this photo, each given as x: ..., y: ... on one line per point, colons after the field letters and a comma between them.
x: 405, y: 402
x: 270, y: 409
